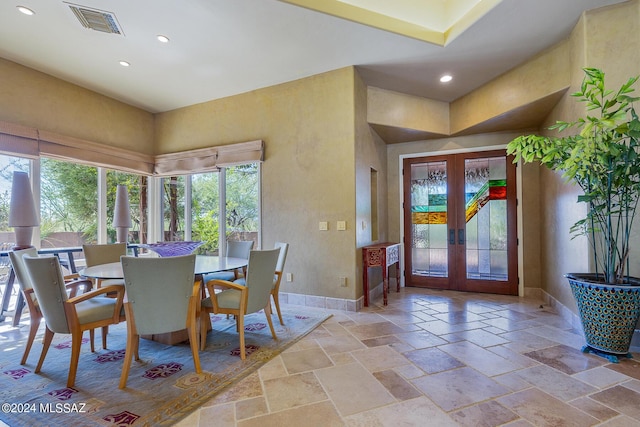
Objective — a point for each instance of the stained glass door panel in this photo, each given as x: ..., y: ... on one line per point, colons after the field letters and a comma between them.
x: 427, y: 223
x: 485, y: 185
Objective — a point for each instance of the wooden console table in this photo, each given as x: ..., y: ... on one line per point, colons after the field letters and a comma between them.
x: 380, y: 255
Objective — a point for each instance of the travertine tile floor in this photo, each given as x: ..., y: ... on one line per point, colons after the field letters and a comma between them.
x: 435, y: 358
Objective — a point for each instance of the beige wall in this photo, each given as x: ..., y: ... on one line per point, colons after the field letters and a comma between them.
x: 385, y: 107
x: 370, y: 153
x: 308, y: 174
x: 541, y: 76
x: 37, y: 100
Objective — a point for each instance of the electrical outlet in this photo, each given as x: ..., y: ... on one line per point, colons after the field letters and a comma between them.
x: 343, y: 282
x: 289, y: 277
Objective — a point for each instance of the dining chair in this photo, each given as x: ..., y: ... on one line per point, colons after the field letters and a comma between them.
x: 235, y: 249
x: 275, y: 290
x: 64, y: 315
x: 162, y: 296
x: 104, y: 254
x: 28, y: 295
x: 241, y: 300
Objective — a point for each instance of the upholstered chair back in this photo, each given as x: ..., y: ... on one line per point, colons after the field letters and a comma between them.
x: 282, y: 257
x: 239, y: 249
x: 159, y: 291
x: 48, y: 284
x: 260, y: 272
x: 103, y: 254
x: 21, y: 270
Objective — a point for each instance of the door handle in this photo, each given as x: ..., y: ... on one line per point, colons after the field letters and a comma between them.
x: 461, y: 236
x: 452, y: 236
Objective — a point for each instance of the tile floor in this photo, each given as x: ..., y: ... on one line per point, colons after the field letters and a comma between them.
x: 435, y: 358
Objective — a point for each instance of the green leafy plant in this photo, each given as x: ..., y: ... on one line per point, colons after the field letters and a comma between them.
x: 602, y: 159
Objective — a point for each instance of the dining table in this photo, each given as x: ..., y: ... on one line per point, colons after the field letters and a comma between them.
x: 205, y: 264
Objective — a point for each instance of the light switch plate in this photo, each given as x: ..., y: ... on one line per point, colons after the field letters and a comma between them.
x: 324, y: 226
x: 341, y: 225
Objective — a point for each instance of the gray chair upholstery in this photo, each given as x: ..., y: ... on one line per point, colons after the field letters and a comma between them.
x: 29, y: 296
x: 235, y: 249
x: 275, y: 291
x: 66, y: 315
x: 162, y: 297
x: 240, y: 300
x: 104, y: 254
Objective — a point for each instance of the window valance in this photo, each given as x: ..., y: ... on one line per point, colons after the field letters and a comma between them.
x: 72, y: 149
x: 209, y: 159
x: 31, y: 143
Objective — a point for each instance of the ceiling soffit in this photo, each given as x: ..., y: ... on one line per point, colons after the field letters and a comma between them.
x: 433, y: 21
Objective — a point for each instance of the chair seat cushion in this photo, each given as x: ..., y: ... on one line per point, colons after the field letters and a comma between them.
x: 95, y: 309
x: 242, y: 281
x: 109, y: 282
x: 222, y: 275
x: 229, y: 298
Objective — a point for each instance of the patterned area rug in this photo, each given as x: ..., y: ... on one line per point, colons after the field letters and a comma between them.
x: 162, y: 388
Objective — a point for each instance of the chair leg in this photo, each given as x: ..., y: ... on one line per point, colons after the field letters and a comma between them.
x: 193, y: 343
x: 267, y: 312
x: 205, y: 327
x: 240, y: 327
x: 76, y: 342
x: 276, y: 301
x: 92, y: 337
x: 132, y: 347
x: 105, y: 332
x: 133, y: 344
x: 33, y: 329
x: 48, y: 336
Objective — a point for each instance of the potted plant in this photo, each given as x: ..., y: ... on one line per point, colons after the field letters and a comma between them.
x: 602, y: 158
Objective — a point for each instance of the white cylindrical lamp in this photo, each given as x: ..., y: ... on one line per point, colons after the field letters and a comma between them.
x: 122, y: 214
x: 22, y: 210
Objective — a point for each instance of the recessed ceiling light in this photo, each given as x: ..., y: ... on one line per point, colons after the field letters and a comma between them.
x: 446, y: 78
x: 124, y: 63
x: 26, y: 10
x: 163, y: 39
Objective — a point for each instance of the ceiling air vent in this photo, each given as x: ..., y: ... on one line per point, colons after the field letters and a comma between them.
x: 98, y: 20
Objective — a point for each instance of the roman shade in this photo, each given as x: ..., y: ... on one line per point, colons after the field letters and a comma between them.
x: 73, y: 149
x: 18, y: 140
x: 208, y: 159
x: 32, y: 143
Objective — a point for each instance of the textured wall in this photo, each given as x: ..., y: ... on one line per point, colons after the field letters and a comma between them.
x: 308, y: 175
x: 37, y: 100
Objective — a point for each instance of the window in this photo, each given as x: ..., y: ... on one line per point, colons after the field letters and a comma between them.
x: 242, y: 202
x: 68, y: 203
x: 205, y: 210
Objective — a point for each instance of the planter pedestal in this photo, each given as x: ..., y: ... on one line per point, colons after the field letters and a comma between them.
x: 609, y: 314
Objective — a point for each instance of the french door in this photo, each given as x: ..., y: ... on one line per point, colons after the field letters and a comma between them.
x: 460, y: 222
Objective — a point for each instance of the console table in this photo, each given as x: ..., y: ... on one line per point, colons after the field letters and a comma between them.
x: 380, y: 255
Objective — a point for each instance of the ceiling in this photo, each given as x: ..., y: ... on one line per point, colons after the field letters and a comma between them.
x: 221, y: 48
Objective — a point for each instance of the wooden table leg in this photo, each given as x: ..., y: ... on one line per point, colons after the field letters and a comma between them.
x: 385, y: 285
x: 365, y: 284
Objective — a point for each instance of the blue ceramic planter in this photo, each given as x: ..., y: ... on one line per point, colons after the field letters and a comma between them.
x: 609, y: 314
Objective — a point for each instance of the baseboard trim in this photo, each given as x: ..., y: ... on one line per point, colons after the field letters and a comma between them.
x: 329, y: 302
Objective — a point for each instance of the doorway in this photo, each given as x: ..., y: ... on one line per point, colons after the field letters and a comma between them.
x: 460, y: 222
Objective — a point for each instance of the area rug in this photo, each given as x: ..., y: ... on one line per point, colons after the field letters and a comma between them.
x: 162, y: 388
